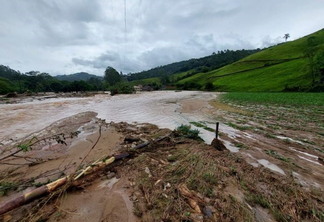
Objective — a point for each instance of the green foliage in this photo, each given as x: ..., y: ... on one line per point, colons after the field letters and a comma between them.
x: 24, y: 147
x: 202, y: 125
x: 5, y: 187
x: 294, y: 99
x: 259, y: 200
x: 112, y: 76
x: 186, y: 131
x: 6, y: 86
x: 122, y: 88
x: 210, y: 178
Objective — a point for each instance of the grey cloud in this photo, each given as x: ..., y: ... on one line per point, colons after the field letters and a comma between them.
x: 60, y: 36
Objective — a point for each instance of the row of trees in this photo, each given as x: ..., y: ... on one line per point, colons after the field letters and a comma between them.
x: 34, y: 81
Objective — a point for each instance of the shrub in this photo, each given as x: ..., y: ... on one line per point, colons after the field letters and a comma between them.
x: 209, y: 86
x: 187, y: 132
x: 122, y: 88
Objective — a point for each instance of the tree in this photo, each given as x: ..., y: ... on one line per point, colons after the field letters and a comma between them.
x: 112, y: 76
x: 286, y: 36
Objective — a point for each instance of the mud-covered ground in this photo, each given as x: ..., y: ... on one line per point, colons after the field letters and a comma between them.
x: 273, y: 171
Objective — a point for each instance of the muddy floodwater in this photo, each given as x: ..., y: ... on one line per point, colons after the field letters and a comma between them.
x: 166, y: 109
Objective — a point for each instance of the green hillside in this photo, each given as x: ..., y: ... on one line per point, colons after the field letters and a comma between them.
x: 204, y: 64
x: 293, y: 66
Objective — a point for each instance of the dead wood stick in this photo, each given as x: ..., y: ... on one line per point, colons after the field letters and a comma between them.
x: 192, y: 199
x: 49, y: 188
x: 142, y: 145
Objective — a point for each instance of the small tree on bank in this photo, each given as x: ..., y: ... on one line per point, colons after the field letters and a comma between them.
x: 286, y: 36
x: 112, y: 76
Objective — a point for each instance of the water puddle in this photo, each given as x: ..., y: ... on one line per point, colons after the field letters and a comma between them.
x: 304, y: 153
x: 302, y: 181
x: 309, y: 160
x: 271, y: 166
x: 307, y: 156
x: 231, y: 147
x: 289, y: 139
x: 108, y: 183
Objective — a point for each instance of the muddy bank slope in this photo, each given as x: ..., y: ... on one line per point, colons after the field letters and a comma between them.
x: 171, y: 178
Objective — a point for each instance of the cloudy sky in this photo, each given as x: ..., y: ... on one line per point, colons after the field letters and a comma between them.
x: 68, y: 36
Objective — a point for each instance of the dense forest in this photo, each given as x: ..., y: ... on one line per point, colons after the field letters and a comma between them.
x: 204, y: 64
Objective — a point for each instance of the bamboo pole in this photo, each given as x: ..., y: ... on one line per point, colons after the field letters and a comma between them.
x: 48, y: 188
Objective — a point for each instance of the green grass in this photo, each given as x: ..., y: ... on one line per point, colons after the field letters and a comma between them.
x: 202, y: 125
x: 316, y: 99
x: 272, y: 69
x: 276, y: 155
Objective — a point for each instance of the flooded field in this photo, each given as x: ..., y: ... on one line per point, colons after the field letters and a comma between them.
x: 263, y: 138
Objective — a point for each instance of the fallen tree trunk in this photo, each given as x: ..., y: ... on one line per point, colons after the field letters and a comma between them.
x: 48, y: 188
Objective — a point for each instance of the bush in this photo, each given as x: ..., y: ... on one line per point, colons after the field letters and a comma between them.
x: 209, y: 86
x: 122, y: 88
x: 187, y: 132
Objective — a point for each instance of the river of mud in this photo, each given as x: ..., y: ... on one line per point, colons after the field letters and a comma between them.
x: 160, y: 108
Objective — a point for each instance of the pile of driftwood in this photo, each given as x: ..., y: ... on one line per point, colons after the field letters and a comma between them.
x: 68, y: 181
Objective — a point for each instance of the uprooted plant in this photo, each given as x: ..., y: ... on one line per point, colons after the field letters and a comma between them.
x: 26, y: 146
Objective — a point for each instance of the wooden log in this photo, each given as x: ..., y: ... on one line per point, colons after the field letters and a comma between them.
x: 32, y: 195
x: 48, y: 188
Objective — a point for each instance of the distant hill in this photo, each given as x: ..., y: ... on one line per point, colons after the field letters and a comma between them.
x: 77, y: 77
x: 204, y: 64
x: 291, y: 66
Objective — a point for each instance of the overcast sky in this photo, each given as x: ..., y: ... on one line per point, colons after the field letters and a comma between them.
x: 68, y: 36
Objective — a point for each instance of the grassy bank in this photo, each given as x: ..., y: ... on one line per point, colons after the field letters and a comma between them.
x: 316, y: 99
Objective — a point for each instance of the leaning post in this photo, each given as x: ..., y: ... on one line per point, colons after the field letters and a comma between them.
x: 217, y: 125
